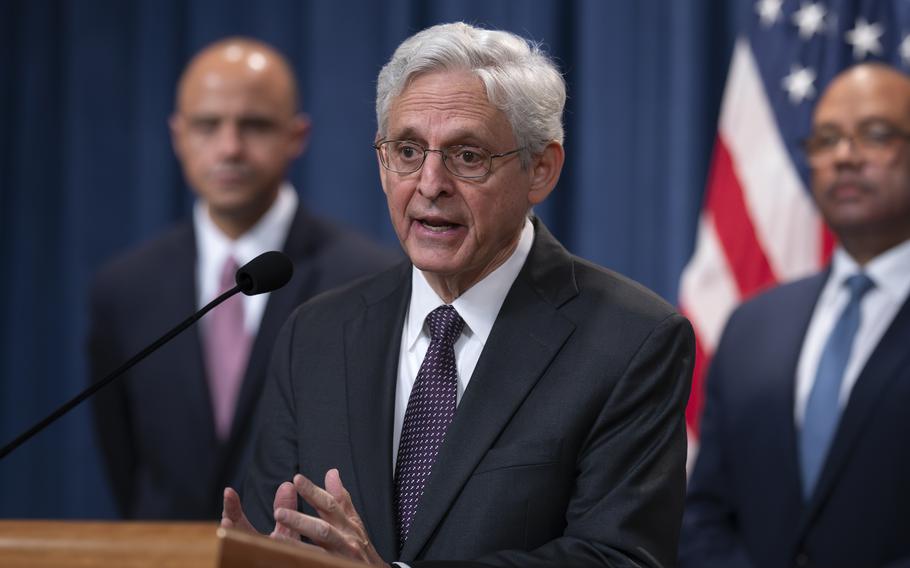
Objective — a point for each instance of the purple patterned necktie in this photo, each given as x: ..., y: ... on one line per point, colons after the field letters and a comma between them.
x: 431, y: 408
x: 227, y: 349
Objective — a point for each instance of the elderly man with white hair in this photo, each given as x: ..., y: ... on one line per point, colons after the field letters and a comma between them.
x: 494, y: 400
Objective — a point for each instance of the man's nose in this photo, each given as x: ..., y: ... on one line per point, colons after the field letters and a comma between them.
x: 847, y: 151
x: 229, y: 140
x: 435, y: 178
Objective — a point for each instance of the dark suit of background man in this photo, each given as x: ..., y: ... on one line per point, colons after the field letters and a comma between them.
x: 177, y: 428
x: 805, y: 456
x: 568, y: 444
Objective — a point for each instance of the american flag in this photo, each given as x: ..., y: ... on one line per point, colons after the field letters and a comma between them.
x: 758, y: 225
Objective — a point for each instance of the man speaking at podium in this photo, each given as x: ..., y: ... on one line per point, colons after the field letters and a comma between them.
x: 496, y: 399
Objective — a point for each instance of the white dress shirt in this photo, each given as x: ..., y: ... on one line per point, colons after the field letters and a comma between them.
x: 213, y: 248
x: 890, y: 271
x: 478, y: 307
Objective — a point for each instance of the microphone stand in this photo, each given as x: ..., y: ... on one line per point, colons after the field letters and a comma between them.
x: 53, y: 416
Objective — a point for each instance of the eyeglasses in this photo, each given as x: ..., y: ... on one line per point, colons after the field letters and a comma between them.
x: 876, y: 141
x: 464, y: 161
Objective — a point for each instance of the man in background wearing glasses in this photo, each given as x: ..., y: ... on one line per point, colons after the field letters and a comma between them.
x: 496, y: 399
x: 805, y: 454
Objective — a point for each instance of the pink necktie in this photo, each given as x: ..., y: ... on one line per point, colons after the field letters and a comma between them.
x: 227, y: 348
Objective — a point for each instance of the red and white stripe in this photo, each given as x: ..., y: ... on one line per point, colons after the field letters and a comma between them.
x: 758, y: 225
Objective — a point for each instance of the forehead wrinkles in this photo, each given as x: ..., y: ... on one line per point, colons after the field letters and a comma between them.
x: 461, y: 109
x: 465, y: 101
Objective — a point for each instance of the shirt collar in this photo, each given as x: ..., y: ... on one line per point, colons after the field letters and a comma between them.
x: 269, y: 233
x: 480, y: 304
x: 890, y: 270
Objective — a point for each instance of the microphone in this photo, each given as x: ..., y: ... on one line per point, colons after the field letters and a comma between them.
x: 268, y: 271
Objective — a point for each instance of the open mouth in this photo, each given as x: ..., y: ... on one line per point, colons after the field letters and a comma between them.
x: 437, y: 224
x: 437, y: 227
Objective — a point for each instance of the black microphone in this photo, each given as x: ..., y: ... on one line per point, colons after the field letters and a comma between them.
x: 268, y: 271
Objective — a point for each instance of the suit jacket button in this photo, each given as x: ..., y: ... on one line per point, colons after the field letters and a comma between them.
x: 802, y: 559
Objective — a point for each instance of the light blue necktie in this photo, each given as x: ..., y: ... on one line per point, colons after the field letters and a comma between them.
x: 823, y: 408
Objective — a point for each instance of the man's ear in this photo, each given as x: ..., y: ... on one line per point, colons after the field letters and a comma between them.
x: 300, y: 134
x: 545, y: 170
x: 175, y: 125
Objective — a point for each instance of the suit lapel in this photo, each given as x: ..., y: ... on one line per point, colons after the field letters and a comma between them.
x: 188, y: 354
x: 372, y: 345
x: 885, y: 363
x: 301, y: 239
x: 279, y: 306
x: 528, y: 333
x: 789, y: 329
x: 773, y: 375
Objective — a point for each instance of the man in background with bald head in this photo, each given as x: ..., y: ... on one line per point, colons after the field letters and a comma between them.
x: 177, y: 428
x: 805, y: 438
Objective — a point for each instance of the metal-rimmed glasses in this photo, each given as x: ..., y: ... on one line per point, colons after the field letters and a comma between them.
x: 875, y: 140
x: 463, y: 160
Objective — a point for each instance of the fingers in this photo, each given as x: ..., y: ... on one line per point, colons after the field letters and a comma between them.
x: 232, y: 511
x: 328, y: 507
x: 232, y: 515
x: 315, y: 529
x: 338, y: 529
x: 285, y: 498
x: 295, y: 540
x: 337, y: 490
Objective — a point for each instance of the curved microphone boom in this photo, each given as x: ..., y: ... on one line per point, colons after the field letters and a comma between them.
x: 265, y: 273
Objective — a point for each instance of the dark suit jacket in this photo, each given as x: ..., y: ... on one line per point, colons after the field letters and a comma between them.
x: 744, y: 506
x: 156, y: 424
x: 567, y: 448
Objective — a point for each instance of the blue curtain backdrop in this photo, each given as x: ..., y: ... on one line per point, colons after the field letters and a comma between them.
x: 86, y: 168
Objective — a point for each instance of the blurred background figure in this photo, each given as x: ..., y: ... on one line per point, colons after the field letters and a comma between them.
x: 804, y: 452
x: 176, y: 429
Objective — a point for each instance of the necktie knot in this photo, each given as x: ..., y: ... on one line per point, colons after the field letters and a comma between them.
x: 445, y: 325
x: 858, y: 284
x: 228, y: 274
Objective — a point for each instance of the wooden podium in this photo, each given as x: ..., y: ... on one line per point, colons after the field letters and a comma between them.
x: 45, y: 544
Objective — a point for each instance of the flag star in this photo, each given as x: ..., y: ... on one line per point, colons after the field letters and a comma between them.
x: 864, y: 38
x: 798, y: 84
x: 809, y: 19
x: 768, y: 11
x: 904, y: 49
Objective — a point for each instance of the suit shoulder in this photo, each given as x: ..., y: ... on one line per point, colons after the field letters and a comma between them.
x: 620, y: 293
x: 779, y: 301
x: 348, y: 300
x: 143, y: 264
x: 772, y: 318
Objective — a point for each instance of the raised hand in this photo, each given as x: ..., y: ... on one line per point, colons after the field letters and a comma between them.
x: 338, y: 529
x: 232, y: 515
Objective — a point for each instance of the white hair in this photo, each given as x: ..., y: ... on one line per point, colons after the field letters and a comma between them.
x: 518, y: 77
